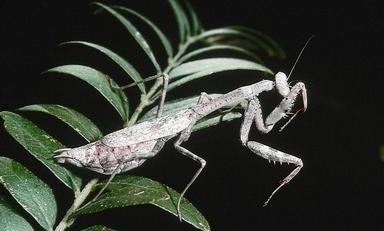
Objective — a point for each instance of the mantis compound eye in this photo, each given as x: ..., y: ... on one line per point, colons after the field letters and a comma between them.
x: 282, y: 84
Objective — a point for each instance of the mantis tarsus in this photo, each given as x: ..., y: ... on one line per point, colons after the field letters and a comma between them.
x: 128, y: 148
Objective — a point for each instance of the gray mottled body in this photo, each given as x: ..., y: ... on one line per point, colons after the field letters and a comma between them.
x: 128, y: 148
x: 131, y: 145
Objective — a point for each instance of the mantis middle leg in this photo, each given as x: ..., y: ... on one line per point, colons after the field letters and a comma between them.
x: 184, y: 136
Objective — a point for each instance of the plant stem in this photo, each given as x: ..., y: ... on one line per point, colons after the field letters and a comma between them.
x: 79, y: 200
x: 145, y: 99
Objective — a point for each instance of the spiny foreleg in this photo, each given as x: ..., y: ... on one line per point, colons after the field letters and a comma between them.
x: 254, y: 112
x: 290, y: 95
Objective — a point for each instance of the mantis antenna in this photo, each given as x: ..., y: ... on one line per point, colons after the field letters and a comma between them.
x: 293, y: 67
x: 298, y: 57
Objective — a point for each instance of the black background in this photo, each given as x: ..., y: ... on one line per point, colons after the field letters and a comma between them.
x: 341, y: 185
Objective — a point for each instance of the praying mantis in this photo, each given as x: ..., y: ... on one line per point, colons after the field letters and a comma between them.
x: 130, y: 147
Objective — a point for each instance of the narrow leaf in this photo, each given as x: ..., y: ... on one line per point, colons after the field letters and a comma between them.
x: 98, y: 228
x: 29, y: 191
x: 132, y: 190
x: 215, y: 120
x: 101, y: 82
x: 213, y: 65
x: 81, y: 124
x: 228, y: 32
x: 40, y: 145
x: 218, y: 47
x: 206, y: 67
x: 182, y: 20
x: 164, y: 40
x: 196, y: 24
x: 10, y: 220
x: 278, y: 50
x: 125, y: 65
x: 134, y: 32
x: 174, y: 106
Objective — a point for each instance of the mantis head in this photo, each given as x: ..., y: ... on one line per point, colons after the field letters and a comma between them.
x: 78, y: 157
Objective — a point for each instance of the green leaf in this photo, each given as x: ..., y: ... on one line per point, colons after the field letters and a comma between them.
x: 29, y: 191
x: 182, y: 20
x: 206, y: 67
x: 98, y: 228
x: 277, y: 49
x: 134, y: 32
x: 228, y: 32
x: 215, y: 120
x: 218, y: 47
x: 164, y: 40
x: 10, y: 220
x: 132, y: 190
x: 174, y: 106
x: 213, y: 65
x: 101, y: 82
x: 40, y: 145
x: 81, y: 124
x: 381, y: 152
x: 196, y: 24
x: 125, y: 65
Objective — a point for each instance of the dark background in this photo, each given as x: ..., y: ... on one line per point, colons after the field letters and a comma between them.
x: 341, y: 185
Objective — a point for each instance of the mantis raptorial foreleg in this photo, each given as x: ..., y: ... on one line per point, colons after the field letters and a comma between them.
x: 285, y: 106
x: 274, y: 155
x: 254, y: 113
